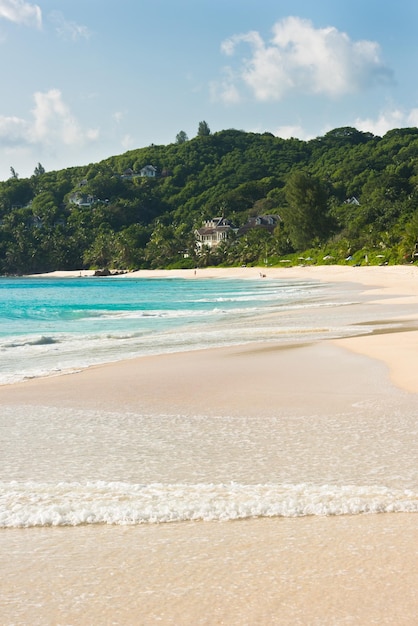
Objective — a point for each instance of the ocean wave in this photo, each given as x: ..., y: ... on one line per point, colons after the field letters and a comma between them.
x: 24, y: 505
x: 151, y: 313
x: 42, y: 340
x: 196, y: 314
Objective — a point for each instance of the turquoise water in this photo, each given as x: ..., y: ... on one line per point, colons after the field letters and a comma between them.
x: 50, y: 325
x: 75, y: 466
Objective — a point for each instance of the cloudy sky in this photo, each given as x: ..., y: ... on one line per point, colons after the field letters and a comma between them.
x: 82, y: 80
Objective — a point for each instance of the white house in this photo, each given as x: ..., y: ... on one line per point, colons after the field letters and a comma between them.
x: 352, y: 200
x: 149, y: 171
x: 213, y: 232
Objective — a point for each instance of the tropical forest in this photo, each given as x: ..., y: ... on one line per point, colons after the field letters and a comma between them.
x: 348, y: 197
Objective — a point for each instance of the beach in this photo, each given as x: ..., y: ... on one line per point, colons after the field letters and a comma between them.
x: 294, y: 413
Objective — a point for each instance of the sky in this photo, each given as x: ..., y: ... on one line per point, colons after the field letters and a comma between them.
x: 83, y: 80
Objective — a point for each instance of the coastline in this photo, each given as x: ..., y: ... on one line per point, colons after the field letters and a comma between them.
x: 397, y: 280
x: 326, y: 397
x: 369, y: 273
x: 396, y: 285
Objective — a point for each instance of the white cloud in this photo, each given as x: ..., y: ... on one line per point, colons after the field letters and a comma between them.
x: 68, y: 29
x: 118, y: 116
x: 230, y: 93
x: 304, y: 59
x: 379, y: 125
x: 288, y: 132
x: 92, y: 134
x: 412, y: 118
x: 127, y: 142
x: 226, y: 90
x: 52, y: 124
x: 12, y: 130
x: 53, y: 120
x: 21, y: 12
x: 386, y: 121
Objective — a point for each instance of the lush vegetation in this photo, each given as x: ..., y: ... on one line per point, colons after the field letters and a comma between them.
x: 346, y: 197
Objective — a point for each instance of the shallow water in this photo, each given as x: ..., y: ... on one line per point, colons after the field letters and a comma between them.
x: 49, y: 326
x: 72, y: 467
x: 120, y: 516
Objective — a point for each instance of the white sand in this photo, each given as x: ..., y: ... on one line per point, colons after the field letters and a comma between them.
x: 398, y: 280
x: 387, y: 284
x: 351, y: 569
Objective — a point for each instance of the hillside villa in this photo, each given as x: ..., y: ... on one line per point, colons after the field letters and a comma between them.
x: 216, y: 230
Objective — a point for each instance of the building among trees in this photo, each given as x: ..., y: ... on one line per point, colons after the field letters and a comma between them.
x: 213, y: 232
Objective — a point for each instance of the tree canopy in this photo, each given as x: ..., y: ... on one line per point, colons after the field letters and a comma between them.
x: 203, y: 129
x: 348, y: 193
x: 182, y: 137
x: 306, y: 213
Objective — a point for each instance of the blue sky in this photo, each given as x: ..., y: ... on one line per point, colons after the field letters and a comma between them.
x: 82, y: 80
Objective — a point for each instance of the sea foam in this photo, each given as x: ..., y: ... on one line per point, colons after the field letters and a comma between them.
x: 51, y: 325
x: 24, y: 505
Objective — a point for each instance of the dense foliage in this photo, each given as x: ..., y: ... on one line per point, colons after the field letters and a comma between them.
x: 348, y: 196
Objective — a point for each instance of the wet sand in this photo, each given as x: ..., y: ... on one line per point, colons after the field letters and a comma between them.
x: 312, y: 570
x: 316, y: 570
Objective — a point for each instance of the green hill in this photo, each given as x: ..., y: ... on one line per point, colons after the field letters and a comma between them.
x: 348, y: 196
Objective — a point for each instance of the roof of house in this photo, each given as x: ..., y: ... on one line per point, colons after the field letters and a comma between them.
x: 208, y: 230
x: 261, y: 221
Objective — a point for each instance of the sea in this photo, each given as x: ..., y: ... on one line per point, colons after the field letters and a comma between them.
x: 52, y: 327
x: 49, y: 326
x: 77, y: 469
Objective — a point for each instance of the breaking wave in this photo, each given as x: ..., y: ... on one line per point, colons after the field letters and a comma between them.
x: 30, y: 504
x: 35, y: 341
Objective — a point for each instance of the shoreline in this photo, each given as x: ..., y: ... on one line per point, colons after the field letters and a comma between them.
x: 358, y: 570
x: 328, y: 412
x: 394, y: 348
x: 397, y: 280
x: 383, y: 285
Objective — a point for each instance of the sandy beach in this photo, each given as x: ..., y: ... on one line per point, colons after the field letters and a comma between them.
x: 385, y: 285
x: 357, y: 569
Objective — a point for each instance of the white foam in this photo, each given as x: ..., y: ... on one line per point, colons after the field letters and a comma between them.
x: 71, y: 504
x: 105, y: 336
